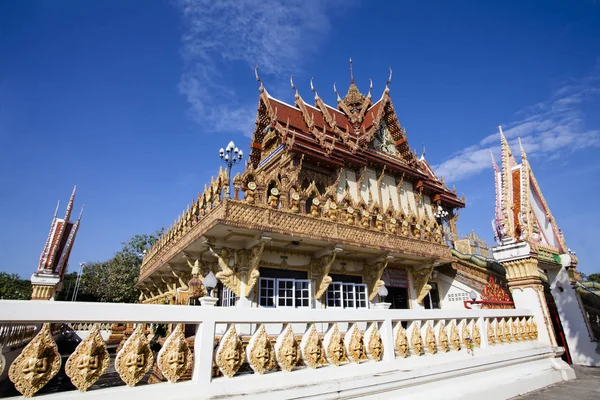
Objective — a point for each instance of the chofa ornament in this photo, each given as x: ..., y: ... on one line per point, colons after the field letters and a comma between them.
x: 36, y: 365
x: 89, y: 361
x: 135, y: 358
x: 230, y: 354
x: 175, y: 357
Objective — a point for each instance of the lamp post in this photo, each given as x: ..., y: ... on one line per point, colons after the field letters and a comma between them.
x: 230, y: 155
x: 77, y: 282
x: 210, y: 281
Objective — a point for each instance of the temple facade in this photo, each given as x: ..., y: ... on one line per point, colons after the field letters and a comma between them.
x: 47, y: 280
x: 541, y: 269
x: 333, y: 210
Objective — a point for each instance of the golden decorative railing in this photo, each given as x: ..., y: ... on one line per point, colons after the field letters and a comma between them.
x: 253, y: 341
x: 14, y: 335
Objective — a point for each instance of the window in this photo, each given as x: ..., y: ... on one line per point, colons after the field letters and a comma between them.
x: 458, y: 296
x: 228, y: 298
x: 283, y: 292
x: 346, y: 295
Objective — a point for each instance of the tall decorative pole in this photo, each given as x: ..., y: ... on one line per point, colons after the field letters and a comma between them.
x: 230, y: 155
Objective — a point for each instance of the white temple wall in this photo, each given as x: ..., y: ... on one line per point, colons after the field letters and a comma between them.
x: 583, y: 350
x: 427, y: 205
x: 453, y: 293
x: 371, y: 180
x: 407, y: 197
x: 543, y: 222
x: 341, y: 189
x: 352, y: 185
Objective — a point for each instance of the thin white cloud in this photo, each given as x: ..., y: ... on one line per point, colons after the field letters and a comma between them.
x: 547, y: 129
x: 276, y: 35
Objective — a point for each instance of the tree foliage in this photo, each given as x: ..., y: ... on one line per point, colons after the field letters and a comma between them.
x: 12, y: 287
x: 595, y: 277
x: 113, y: 280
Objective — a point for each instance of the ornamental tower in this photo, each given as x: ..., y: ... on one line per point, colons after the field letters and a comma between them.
x: 47, y: 280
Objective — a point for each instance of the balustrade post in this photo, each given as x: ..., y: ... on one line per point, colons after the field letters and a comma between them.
x: 483, y: 334
x: 387, y: 337
x: 203, y: 352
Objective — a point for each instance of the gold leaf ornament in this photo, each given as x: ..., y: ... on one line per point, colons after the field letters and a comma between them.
x: 135, y: 358
x: 230, y: 354
x: 261, y: 356
x: 334, y: 344
x: 490, y: 333
x: 313, y: 352
x: 443, y: 339
x: 430, y: 337
x: 416, y: 339
x: 354, y: 344
x: 175, y: 357
x: 89, y: 361
x: 401, y: 342
x: 373, y: 342
x: 287, y: 349
x: 36, y: 365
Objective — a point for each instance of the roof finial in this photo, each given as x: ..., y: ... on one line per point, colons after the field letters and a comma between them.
x: 81, y: 213
x: 262, y: 87
x: 351, y: 74
x: 294, y: 86
x: 56, y: 211
x: 312, y: 87
x: 370, y: 87
x: 389, y: 78
x: 70, y: 205
x: 423, y: 152
x: 336, y: 92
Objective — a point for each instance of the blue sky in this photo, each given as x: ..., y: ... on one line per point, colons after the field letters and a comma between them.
x: 131, y: 100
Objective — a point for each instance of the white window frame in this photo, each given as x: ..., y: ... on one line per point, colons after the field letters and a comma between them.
x: 261, y: 285
x: 350, y: 295
x: 279, y: 283
x: 228, y: 297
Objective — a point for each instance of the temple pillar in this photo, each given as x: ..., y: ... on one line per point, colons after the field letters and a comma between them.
x: 526, y: 285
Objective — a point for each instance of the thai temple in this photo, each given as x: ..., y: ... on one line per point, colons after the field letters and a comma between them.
x: 330, y: 267
x: 333, y: 206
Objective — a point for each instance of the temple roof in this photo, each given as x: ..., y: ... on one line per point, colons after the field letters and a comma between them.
x: 354, y: 134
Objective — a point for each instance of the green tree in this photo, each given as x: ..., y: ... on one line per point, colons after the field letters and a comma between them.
x: 113, y: 280
x: 593, y: 277
x: 12, y: 287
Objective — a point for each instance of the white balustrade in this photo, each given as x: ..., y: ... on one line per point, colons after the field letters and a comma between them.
x: 355, y: 344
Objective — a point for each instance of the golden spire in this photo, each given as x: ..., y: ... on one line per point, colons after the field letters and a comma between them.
x: 351, y: 74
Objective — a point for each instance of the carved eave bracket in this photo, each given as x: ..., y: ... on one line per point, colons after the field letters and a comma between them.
x: 253, y: 273
x: 227, y: 275
x: 322, y: 268
x: 374, y: 274
x: 420, y: 277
